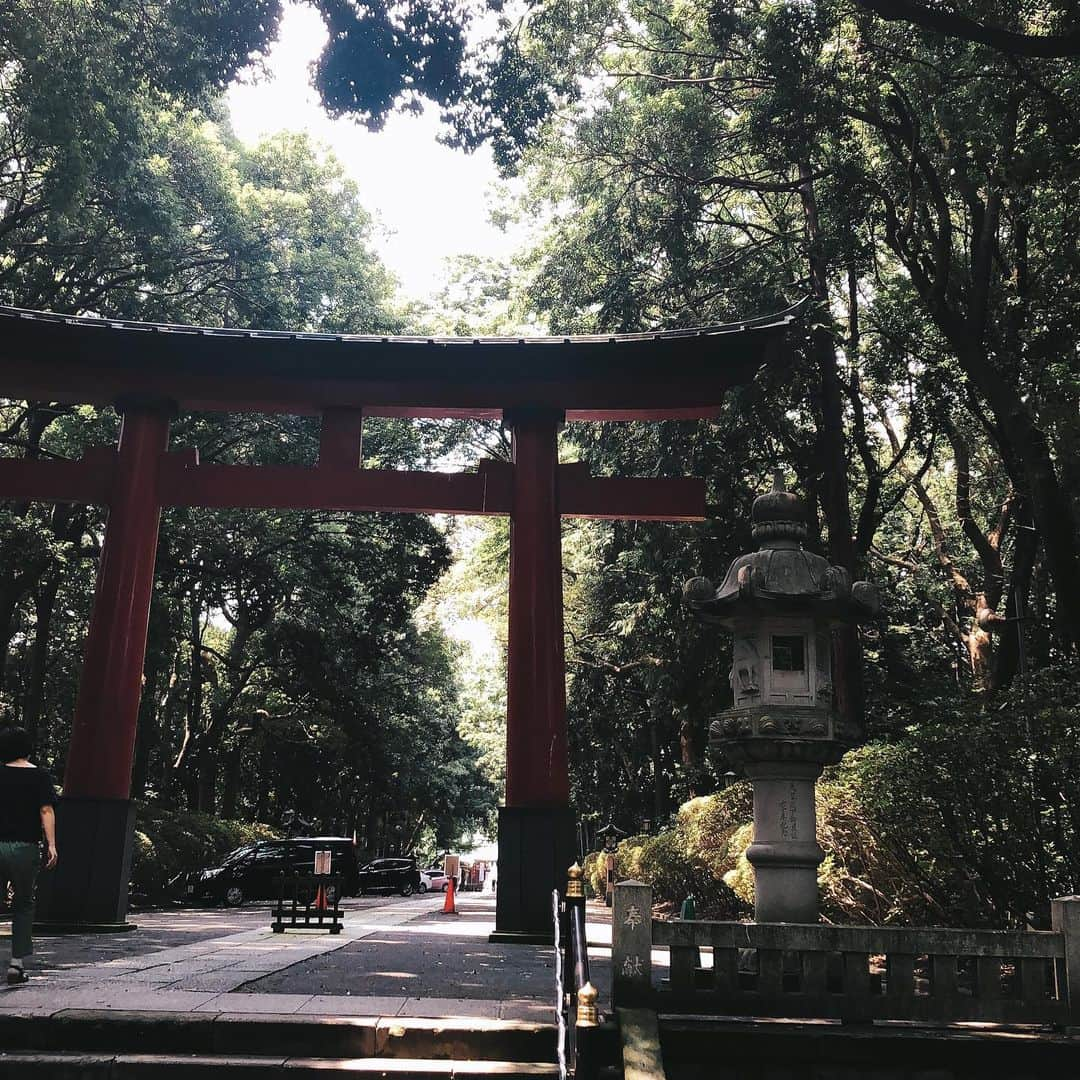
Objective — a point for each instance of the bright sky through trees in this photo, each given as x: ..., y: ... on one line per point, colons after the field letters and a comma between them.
x: 432, y: 201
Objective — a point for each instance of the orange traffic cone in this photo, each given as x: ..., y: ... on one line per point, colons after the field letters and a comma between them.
x: 449, y: 905
x: 320, y: 899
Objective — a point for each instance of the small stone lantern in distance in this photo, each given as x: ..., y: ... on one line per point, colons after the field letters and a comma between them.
x: 781, y: 603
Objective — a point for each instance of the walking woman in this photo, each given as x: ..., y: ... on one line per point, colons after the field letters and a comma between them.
x: 27, y: 798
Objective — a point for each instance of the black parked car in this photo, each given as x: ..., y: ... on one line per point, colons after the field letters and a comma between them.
x: 254, y: 872
x: 397, y: 875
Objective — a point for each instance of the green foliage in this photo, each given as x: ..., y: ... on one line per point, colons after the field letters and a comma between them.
x: 285, y: 671
x: 199, y: 228
x: 965, y: 818
x: 690, y: 859
x: 697, y: 165
x: 169, y: 842
x: 969, y: 816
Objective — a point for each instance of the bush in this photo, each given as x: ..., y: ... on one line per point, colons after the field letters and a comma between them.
x: 168, y: 842
x: 691, y: 858
x: 968, y: 817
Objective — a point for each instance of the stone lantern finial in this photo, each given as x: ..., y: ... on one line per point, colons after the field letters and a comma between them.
x: 778, y: 516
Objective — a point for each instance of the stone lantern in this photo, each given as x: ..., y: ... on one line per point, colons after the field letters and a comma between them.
x: 781, y: 603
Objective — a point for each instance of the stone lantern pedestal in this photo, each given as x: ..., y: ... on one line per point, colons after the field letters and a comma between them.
x: 781, y: 604
x: 785, y: 853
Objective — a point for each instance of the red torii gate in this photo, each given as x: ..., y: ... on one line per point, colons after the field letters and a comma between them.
x: 149, y: 371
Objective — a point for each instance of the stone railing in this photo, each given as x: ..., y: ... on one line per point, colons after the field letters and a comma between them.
x: 853, y: 973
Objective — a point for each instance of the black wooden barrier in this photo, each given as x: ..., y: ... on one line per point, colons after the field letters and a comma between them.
x: 576, y: 1012
x: 298, y: 903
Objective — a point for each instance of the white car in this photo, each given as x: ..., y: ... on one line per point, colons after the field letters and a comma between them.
x: 433, y: 880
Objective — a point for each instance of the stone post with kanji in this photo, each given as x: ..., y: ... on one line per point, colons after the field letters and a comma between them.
x: 631, y: 943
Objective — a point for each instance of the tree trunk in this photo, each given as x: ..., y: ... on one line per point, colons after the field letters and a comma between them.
x: 44, y: 604
x: 187, y: 760
x: 661, y: 796
x: 230, y: 789
x: 163, y: 772
x: 212, y: 736
x: 832, y: 457
x: 1011, y: 638
x: 148, y: 732
x: 1054, y: 517
x: 1039, y: 636
x: 686, y: 743
x: 266, y: 760
x: 10, y: 596
x: 207, y: 762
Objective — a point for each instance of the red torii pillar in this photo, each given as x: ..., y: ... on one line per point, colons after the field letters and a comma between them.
x: 536, y: 826
x: 95, y: 815
x: 536, y: 750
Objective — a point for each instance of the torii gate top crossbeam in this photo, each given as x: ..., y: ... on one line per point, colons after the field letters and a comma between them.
x: 661, y: 375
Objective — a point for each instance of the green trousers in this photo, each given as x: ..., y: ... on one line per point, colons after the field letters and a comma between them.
x: 19, y: 864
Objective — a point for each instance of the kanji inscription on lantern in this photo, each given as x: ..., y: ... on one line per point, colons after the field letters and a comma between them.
x: 789, y: 814
x: 631, y: 967
x: 633, y: 916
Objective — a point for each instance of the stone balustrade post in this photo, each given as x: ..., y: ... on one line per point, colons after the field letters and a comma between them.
x: 1065, y: 918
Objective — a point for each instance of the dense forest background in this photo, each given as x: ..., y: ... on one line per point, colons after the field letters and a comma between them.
x: 911, y: 179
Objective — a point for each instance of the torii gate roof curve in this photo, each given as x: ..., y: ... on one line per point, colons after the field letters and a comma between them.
x: 674, y: 374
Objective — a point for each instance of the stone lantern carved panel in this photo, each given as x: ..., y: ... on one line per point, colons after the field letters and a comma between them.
x: 745, y: 675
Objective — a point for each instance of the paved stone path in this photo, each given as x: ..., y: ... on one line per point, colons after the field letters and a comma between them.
x: 394, y: 957
x: 436, y: 956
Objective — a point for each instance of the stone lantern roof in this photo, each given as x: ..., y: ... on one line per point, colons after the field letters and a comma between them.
x: 781, y: 577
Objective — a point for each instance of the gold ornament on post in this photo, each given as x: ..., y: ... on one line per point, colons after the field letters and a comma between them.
x: 575, y: 884
x: 587, y: 1014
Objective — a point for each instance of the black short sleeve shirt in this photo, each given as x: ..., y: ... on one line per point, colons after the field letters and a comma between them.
x: 23, y: 792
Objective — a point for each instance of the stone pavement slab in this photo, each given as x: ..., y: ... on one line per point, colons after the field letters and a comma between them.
x: 254, y: 1003
x: 361, y: 1005
x: 472, y: 1007
x: 104, y: 997
x: 534, y: 1012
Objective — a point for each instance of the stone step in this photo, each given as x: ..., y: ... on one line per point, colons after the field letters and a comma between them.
x: 700, y: 1048
x: 409, y: 1038
x: 67, y: 1065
